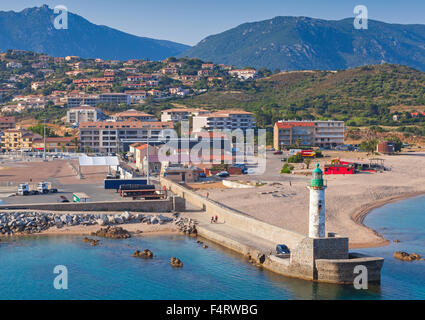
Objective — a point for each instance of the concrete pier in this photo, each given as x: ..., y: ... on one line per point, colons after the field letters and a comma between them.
x: 324, y: 259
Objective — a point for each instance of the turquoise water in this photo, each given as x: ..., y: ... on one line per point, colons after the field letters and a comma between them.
x: 109, y: 272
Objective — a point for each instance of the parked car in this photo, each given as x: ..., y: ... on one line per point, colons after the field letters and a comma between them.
x: 282, y: 249
x: 62, y: 199
x: 222, y: 174
x: 284, y: 159
x: 53, y: 190
x: 34, y: 192
x: 277, y: 152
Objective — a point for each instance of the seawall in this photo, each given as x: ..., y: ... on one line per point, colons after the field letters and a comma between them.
x: 167, y: 205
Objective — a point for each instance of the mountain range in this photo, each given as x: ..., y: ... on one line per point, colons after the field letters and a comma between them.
x: 285, y: 43
x: 302, y: 43
x: 32, y: 29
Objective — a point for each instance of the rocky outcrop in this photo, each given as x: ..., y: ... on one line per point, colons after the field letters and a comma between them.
x: 112, y: 233
x: 176, y: 262
x: 143, y: 254
x: 404, y: 256
x: 93, y: 242
x: 36, y: 222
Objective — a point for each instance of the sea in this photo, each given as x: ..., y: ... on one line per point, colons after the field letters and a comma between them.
x: 108, y: 271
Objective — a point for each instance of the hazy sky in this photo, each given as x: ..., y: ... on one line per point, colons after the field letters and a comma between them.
x: 189, y: 21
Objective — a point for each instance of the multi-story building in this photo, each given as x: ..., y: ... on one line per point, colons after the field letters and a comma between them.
x: 226, y: 119
x: 81, y: 99
x: 180, y: 114
x: 7, y: 123
x: 327, y: 134
x: 84, y: 113
x: 115, y: 98
x: 113, y: 137
x: 18, y: 140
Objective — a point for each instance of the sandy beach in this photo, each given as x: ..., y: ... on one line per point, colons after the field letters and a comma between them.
x: 283, y: 201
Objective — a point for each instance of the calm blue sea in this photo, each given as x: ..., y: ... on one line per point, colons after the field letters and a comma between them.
x: 109, y: 272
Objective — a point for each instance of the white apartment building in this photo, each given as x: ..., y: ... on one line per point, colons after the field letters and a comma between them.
x: 82, y: 99
x: 180, y: 114
x: 226, y: 119
x: 113, y: 137
x: 84, y: 114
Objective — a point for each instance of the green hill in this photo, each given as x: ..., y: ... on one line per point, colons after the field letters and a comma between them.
x: 361, y: 96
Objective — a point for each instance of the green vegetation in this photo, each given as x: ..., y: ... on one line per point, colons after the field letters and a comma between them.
x: 369, y: 146
x: 362, y: 97
x: 39, y: 128
x: 296, y: 158
x: 286, y: 168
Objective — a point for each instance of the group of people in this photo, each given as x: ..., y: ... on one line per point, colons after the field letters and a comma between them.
x: 214, y: 219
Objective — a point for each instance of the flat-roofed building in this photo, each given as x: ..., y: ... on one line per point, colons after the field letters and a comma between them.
x: 115, y: 98
x: 114, y: 137
x: 224, y: 120
x: 180, y: 114
x: 77, y: 100
x: 328, y: 134
x: 84, y: 114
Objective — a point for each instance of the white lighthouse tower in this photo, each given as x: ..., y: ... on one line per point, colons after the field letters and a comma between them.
x: 317, y: 188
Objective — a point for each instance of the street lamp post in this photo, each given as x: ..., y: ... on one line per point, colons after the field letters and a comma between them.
x: 44, y: 134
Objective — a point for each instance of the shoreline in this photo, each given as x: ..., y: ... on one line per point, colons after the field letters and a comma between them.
x: 139, y: 229
x: 135, y: 229
x: 359, y: 216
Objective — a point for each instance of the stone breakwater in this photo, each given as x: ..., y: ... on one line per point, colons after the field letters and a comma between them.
x: 35, y: 222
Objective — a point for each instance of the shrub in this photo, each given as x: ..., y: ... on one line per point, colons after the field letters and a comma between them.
x: 286, y: 168
x: 296, y: 158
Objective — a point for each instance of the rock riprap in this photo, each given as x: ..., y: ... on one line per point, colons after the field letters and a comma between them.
x: 187, y: 226
x: 36, y: 222
x: 112, y: 233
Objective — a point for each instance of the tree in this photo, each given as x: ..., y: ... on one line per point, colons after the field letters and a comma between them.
x: 307, y: 162
x: 369, y: 146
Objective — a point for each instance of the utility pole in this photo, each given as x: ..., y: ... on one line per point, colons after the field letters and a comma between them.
x: 147, y: 157
x: 44, y: 149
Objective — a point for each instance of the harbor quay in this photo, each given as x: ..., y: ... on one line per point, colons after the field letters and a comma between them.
x: 320, y: 256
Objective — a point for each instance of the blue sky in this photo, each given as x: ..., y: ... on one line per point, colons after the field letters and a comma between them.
x: 189, y: 21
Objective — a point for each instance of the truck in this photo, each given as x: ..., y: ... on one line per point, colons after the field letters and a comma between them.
x: 147, y: 192
x: 116, y: 183
x: 23, y: 189
x: 43, y: 187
